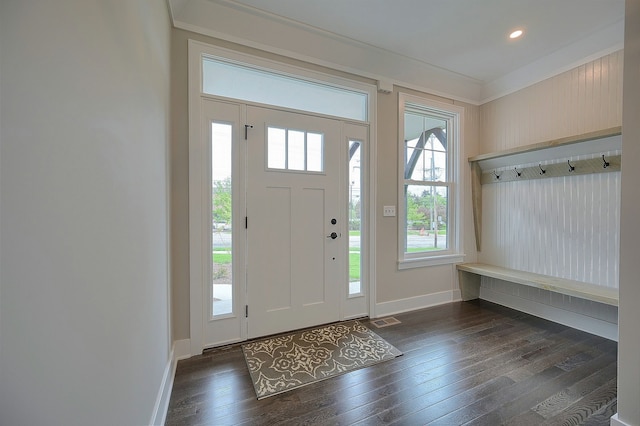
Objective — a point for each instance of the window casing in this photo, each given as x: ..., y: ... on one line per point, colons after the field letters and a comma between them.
x: 429, y: 182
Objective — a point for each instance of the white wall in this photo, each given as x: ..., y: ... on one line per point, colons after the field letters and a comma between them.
x: 566, y: 227
x: 84, y: 318
x: 629, y: 316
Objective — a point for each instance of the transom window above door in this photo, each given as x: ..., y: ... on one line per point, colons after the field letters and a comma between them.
x: 295, y: 150
x: 232, y: 80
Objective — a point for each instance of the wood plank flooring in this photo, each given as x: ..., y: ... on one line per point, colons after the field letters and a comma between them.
x: 473, y: 363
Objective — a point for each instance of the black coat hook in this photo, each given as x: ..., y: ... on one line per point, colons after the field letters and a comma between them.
x: 496, y: 175
x: 571, y: 168
x: 542, y: 171
x: 605, y: 163
x: 518, y: 174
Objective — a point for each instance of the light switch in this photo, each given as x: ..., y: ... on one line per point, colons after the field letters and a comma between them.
x: 389, y: 211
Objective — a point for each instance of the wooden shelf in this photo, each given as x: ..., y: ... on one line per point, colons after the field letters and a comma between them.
x: 486, y: 167
x: 589, y: 143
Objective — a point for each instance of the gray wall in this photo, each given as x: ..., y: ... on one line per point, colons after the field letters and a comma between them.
x: 629, y: 314
x: 84, y: 290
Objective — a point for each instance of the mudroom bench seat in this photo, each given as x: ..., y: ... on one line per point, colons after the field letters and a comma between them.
x: 470, y: 275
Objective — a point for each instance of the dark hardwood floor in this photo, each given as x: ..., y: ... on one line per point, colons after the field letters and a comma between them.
x: 464, y: 363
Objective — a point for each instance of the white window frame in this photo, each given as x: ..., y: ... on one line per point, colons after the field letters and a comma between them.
x: 453, y: 254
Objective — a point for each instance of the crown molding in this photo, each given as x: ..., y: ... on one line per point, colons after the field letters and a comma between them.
x: 227, y: 21
x: 237, y: 23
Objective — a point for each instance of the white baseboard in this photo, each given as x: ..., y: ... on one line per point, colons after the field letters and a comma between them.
x: 551, y: 313
x: 164, y: 393
x: 418, y: 302
x: 180, y: 350
x: 617, y: 422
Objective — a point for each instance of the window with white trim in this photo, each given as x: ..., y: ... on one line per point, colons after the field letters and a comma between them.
x: 429, y: 176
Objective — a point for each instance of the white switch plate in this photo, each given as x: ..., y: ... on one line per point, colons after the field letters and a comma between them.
x: 388, y: 210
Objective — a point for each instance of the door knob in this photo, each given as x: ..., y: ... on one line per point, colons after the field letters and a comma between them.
x: 333, y: 236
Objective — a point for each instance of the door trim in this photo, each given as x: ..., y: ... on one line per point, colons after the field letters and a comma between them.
x: 197, y: 179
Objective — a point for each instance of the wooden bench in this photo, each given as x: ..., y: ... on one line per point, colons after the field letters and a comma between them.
x: 470, y: 274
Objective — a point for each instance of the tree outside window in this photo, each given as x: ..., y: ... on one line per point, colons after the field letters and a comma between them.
x: 428, y: 178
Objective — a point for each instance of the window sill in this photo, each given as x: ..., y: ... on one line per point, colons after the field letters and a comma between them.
x: 422, y: 262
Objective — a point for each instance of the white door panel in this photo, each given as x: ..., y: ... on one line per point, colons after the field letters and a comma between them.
x: 295, y: 272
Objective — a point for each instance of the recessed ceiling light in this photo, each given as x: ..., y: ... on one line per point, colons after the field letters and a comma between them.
x: 516, y: 34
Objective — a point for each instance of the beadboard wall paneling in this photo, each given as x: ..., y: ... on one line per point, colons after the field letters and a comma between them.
x: 577, y: 305
x: 593, y: 317
x: 585, y: 99
x: 566, y: 227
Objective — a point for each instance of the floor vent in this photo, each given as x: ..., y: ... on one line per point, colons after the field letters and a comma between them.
x: 385, y: 322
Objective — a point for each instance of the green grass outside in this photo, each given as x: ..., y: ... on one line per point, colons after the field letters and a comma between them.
x: 222, y: 258
x: 417, y: 232
x: 354, y: 259
x: 354, y: 266
x: 411, y: 232
x: 354, y: 263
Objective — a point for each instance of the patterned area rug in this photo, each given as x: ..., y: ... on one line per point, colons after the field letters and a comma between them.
x: 288, y: 362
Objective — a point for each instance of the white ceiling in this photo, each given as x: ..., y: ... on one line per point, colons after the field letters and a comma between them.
x: 465, y: 41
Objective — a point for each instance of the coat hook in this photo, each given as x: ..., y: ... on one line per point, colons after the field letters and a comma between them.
x: 518, y: 174
x: 605, y: 163
x: 496, y: 175
x: 542, y: 171
x: 571, y: 168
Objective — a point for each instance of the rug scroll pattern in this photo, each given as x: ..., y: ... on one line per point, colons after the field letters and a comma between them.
x: 283, y: 363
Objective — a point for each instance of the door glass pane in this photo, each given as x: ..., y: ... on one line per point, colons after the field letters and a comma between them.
x: 296, y: 150
x: 426, y: 218
x: 276, y: 148
x: 221, y: 216
x: 355, y: 218
x: 314, y: 152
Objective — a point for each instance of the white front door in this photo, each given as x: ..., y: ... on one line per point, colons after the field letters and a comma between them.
x: 274, y: 197
x: 296, y: 230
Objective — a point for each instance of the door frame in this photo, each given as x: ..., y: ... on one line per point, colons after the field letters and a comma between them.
x: 199, y: 224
